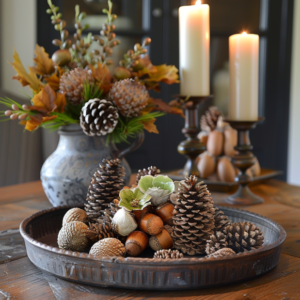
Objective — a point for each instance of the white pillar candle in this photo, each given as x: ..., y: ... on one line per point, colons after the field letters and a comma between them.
x: 194, y: 38
x: 243, y: 66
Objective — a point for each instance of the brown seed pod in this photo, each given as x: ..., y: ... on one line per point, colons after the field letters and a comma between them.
x: 163, y: 240
x: 151, y: 224
x: 139, y: 214
x: 165, y: 212
x: 75, y: 214
x: 136, y: 243
x: 61, y: 57
x: 108, y: 247
x: 74, y: 236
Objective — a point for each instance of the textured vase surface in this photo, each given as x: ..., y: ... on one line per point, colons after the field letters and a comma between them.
x: 67, y: 172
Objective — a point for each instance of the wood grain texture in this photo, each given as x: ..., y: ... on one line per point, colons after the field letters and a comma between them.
x: 20, y: 279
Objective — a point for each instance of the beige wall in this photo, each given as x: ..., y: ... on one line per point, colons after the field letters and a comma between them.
x: 18, y: 30
x: 294, y: 125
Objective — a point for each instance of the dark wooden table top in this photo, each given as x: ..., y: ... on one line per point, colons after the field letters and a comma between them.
x: 20, y: 279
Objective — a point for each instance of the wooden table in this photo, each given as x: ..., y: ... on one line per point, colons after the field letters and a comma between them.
x: 20, y: 279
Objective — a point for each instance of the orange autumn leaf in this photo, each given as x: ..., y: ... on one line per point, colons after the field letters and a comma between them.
x: 150, y: 126
x: 161, y: 73
x: 44, y: 64
x: 54, y: 79
x: 102, y: 76
x: 33, y: 123
x: 60, y: 102
x: 159, y: 105
x: 44, y: 101
x: 24, y: 77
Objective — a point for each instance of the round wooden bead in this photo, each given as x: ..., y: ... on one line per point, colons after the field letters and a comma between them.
x: 165, y: 212
x: 136, y: 243
x: 151, y: 224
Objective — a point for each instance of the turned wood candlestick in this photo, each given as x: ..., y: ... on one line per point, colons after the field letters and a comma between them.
x: 192, y: 146
x: 243, y: 161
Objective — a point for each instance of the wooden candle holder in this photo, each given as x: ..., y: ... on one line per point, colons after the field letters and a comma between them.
x: 243, y: 161
x: 192, y: 146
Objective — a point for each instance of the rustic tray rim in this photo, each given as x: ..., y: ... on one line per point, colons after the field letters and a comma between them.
x: 154, y: 261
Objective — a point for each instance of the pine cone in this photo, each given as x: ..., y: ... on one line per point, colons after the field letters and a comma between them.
x: 104, y: 188
x: 168, y: 254
x: 98, y: 117
x: 72, y: 83
x: 149, y: 171
x: 221, y: 253
x: 221, y: 220
x: 210, y: 119
x: 112, y: 209
x: 243, y: 236
x: 129, y: 96
x: 193, y: 217
x: 216, y: 242
x: 102, y: 230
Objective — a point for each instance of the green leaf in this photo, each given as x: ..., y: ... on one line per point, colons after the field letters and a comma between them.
x: 164, y: 182
x: 145, y: 183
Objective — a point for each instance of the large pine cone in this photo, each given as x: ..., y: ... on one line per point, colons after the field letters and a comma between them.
x: 149, y: 171
x: 221, y: 220
x: 129, y: 96
x: 105, y: 186
x: 210, y: 119
x: 243, y: 236
x: 216, y: 242
x: 98, y: 117
x: 71, y: 83
x: 193, y: 217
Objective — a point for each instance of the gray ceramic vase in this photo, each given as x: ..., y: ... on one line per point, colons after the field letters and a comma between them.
x: 67, y: 173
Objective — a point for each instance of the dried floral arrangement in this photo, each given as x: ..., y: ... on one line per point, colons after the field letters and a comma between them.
x: 172, y: 218
x: 220, y: 139
x: 75, y: 85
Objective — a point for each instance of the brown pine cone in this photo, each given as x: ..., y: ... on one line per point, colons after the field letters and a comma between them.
x: 243, y: 236
x: 129, y: 96
x: 98, y: 117
x: 102, y: 230
x: 216, y: 242
x: 105, y: 186
x: 221, y: 253
x: 71, y: 83
x: 168, y: 254
x: 221, y: 220
x: 149, y: 171
x: 210, y: 119
x: 193, y: 217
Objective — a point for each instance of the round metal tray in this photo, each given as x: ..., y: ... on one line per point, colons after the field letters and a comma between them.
x: 40, y: 233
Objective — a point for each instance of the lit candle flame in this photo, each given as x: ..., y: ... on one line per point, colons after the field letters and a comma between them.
x: 198, y: 3
x: 244, y: 32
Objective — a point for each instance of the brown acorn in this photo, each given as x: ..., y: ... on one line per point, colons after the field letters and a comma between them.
x: 139, y: 214
x: 121, y: 73
x: 162, y: 240
x: 136, y: 243
x: 61, y: 57
x: 151, y: 224
x: 165, y: 212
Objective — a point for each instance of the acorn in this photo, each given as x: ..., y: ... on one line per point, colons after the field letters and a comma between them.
x: 74, y: 236
x: 75, y: 214
x: 139, y: 214
x: 121, y: 73
x: 61, y: 57
x: 108, y: 247
x: 136, y: 243
x: 151, y: 224
x: 162, y: 240
x: 165, y: 212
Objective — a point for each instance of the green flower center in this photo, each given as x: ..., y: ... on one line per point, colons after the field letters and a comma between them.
x: 134, y: 203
